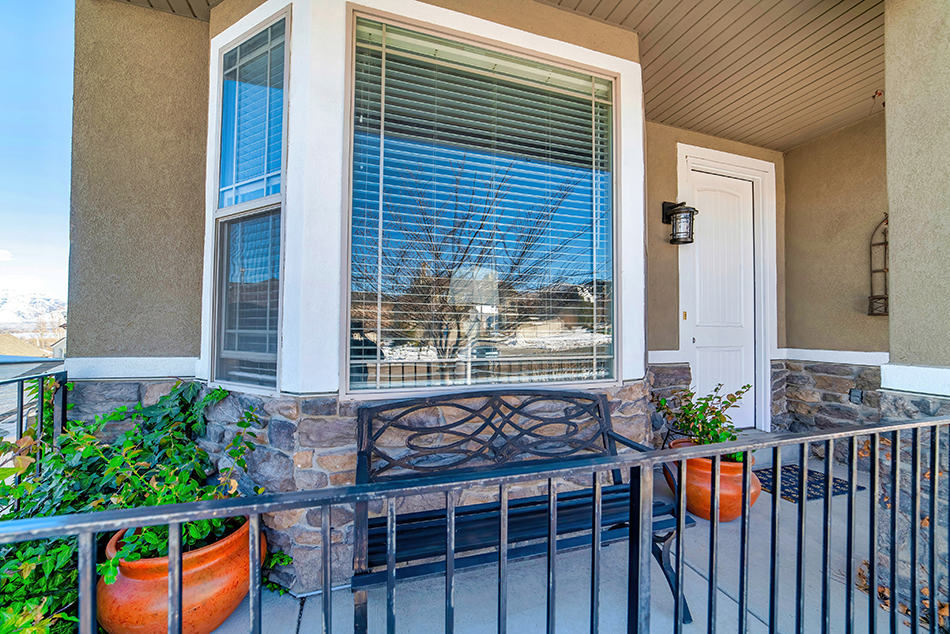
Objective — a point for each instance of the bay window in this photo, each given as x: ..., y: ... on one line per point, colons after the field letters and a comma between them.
x: 481, y: 239
x: 248, y: 209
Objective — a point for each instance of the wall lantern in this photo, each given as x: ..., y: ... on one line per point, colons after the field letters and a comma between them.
x: 681, y: 218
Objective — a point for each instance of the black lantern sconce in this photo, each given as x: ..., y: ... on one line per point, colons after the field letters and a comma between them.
x: 681, y: 218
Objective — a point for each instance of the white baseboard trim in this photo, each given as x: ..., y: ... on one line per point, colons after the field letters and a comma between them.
x: 852, y: 357
x: 666, y: 356
x: 130, y: 367
x: 920, y: 379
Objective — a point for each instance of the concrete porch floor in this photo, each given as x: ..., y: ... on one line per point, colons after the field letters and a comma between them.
x: 420, y: 602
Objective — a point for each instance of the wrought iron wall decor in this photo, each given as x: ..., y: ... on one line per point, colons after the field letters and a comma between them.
x: 877, y: 260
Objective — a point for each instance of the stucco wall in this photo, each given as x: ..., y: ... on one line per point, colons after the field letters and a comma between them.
x: 137, y: 200
x: 662, y: 257
x: 835, y: 195
x: 917, y: 57
x: 229, y: 12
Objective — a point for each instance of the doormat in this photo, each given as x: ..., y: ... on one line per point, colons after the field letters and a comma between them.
x: 790, y: 486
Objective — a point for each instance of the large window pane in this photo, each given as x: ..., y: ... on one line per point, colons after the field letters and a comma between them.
x: 249, y: 290
x: 252, y: 118
x: 481, y: 217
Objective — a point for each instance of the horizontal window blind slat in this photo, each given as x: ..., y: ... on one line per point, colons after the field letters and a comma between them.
x: 493, y: 198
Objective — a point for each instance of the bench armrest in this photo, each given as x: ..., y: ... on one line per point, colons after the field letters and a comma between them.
x: 671, y: 477
x: 623, y: 440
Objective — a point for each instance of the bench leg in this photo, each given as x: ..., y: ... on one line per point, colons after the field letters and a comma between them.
x: 360, y: 620
x: 662, y: 556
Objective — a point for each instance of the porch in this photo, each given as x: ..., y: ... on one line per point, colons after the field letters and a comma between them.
x: 868, y: 516
x: 420, y: 605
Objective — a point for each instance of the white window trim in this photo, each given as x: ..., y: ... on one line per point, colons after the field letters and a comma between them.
x: 130, y: 367
x: 216, y: 215
x: 917, y: 379
x: 346, y: 390
x: 315, y: 184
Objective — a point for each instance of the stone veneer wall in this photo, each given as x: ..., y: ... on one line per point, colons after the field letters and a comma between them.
x: 310, y: 443
x: 816, y: 395
x: 898, y: 406
x: 665, y: 379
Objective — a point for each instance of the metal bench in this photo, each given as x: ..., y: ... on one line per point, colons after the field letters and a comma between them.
x: 482, y: 431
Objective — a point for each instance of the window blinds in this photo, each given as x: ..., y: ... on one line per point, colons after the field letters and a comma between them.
x: 249, y: 292
x: 252, y: 118
x: 481, y: 216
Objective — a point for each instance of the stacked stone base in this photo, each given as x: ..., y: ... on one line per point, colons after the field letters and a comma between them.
x: 306, y: 443
x: 819, y: 395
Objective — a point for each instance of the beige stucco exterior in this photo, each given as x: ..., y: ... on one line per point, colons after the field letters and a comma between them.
x: 662, y: 257
x: 138, y: 177
x: 835, y: 195
x: 917, y: 45
x: 230, y: 11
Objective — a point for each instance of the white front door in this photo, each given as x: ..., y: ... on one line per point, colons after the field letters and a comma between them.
x: 719, y: 288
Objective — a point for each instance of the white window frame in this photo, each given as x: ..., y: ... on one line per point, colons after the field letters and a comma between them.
x: 315, y: 185
x: 389, y: 392
x: 219, y: 215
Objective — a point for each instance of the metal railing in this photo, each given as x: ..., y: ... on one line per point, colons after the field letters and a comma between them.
x: 31, y: 404
x: 881, y: 447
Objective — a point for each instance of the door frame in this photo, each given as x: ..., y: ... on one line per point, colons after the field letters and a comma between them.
x: 762, y: 176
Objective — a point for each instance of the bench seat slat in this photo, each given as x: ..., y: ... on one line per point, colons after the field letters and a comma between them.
x: 424, y: 539
x: 517, y: 506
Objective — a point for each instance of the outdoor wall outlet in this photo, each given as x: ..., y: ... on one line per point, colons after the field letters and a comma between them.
x: 856, y: 396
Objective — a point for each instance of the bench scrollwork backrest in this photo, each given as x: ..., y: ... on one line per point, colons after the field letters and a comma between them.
x: 480, y: 430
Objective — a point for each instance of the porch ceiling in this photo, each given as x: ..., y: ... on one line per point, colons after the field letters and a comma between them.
x: 773, y: 73
x: 199, y: 9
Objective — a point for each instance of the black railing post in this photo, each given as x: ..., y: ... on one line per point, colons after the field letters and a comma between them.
x: 849, y: 538
x: 800, y: 563
x: 933, y: 597
x: 391, y: 565
x: 596, y: 518
x: 87, y: 583
x: 326, y: 552
x: 874, y: 484
x: 450, y: 499
x: 502, y: 558
x: 40, y: 398
x: 895, y: 516
x: 774, y: 543
x: 174, y: 578
x: 552, y: 556
x: 678, y: 600
x: 744, y: 544
x: 826, y: 539
x: 60, y: 404
x: 640, y: 544
x: 19, y: 409
x: 713, y: 594
x: 254, y: 565
x: 915, y: 529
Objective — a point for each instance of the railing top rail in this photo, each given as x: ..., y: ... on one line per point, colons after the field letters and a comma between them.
x: 32, y: 377
x: 108, y: 521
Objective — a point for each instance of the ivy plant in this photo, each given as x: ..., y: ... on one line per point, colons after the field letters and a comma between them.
x: 157, y: 461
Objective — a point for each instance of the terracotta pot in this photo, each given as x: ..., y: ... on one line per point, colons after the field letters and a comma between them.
x: 699, y: 485
x: 214, y: 582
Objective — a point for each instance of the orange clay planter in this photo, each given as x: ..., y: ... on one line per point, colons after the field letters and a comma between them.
x: 699, y: 489
x: 214, y: 582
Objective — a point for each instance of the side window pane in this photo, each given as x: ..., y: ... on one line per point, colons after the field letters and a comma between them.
x: 252, y: 118
x: 248, y: 292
